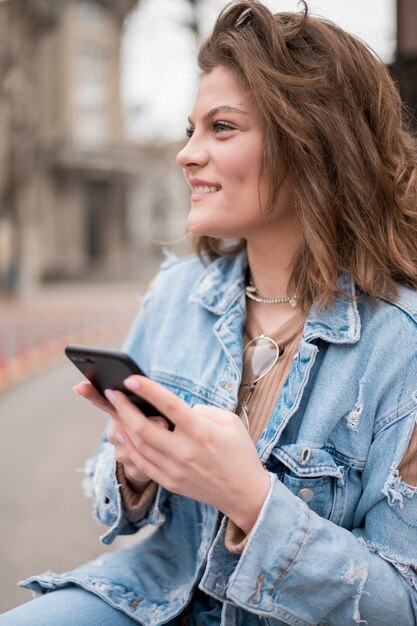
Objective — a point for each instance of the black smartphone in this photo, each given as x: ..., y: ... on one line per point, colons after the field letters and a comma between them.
x: 106, y: 368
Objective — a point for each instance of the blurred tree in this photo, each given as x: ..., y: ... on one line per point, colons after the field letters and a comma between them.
x: 22, y: 24
x: 194, y: 22
x: 404, y: 68
x: 43, y: 70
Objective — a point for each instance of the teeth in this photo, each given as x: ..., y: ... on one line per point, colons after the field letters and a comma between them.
x: 205, y: 189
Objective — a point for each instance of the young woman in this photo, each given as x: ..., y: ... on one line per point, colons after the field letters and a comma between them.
x: 285, y: 353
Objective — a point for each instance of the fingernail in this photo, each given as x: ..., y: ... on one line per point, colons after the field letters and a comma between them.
x: 120, y: 438
x: 75, y: 390
x: 133, y: 382
x: 110, y: 395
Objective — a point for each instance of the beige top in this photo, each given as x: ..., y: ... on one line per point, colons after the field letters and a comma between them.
x: 260, y: 406
x: 267, y: 389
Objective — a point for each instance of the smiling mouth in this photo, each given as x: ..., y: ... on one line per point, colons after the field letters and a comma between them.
x: 205, y: 189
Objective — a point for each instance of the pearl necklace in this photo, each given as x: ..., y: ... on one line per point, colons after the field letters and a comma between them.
x: 253, y: 294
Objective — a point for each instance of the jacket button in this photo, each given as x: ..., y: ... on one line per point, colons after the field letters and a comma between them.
x: 133, y: 605
x: 306, y: 494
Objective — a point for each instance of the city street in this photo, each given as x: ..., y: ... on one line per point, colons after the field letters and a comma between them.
x: 35, y: 329
x: 46, y: 433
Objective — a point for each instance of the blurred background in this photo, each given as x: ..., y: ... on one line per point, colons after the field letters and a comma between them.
x: 94, y: 97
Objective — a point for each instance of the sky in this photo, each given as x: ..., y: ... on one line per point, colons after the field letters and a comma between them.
x: 159, y: 52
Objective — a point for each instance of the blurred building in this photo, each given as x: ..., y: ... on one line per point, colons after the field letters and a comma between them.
x: 65, y: 165
x: 404, y: 69
x: 158, y: 204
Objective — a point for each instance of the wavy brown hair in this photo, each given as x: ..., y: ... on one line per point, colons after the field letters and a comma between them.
x: 332, y: 116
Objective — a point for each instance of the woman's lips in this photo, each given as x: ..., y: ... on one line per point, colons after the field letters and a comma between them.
x: 202, y: 188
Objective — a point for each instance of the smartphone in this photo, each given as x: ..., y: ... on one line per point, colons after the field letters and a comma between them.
x: 106, y: 369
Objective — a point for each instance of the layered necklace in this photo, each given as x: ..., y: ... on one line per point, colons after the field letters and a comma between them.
x: 253, y: 293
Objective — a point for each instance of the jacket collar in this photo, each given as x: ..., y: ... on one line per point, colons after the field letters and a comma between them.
x: 223, y: 282
x: 339, y: 323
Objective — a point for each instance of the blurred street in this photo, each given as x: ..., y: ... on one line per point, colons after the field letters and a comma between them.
x: 46, y: 432
x: 34, y: 330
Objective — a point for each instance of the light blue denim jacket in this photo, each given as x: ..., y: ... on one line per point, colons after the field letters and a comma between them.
x: 336, y: 540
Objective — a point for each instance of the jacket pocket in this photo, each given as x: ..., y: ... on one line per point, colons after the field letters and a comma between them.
x: 313, y: 475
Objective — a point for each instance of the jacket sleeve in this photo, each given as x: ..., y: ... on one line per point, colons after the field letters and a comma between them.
x: 102, y: 485
x: 100, y: 481
x: 302, y: 569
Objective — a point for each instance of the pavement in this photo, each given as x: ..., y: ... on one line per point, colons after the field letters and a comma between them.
x: 46, y: 523
x: 46, y: 432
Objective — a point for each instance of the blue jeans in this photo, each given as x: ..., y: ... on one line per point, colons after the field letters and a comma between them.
x: 71, y: 606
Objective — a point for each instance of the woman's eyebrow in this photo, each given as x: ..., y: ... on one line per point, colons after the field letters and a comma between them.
x: 223, y: 109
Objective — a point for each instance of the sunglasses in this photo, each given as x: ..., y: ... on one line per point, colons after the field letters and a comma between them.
x: 259, y: 357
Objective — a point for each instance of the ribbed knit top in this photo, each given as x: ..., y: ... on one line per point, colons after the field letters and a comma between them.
x: 265, y: 394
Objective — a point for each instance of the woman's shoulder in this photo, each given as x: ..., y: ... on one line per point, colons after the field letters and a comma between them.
x: 174, y: 264
x: 406, y: 301
x: 391, y: 322
x: 184, y: 275
x: 400, y: 312
x: 176, y: 273
x: 177, y: 277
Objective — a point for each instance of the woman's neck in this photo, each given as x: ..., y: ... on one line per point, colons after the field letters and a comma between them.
x: 271, y: 263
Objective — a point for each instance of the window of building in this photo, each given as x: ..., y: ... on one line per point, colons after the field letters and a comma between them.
x: 91, y: 95
x: 91, y: 13
x: 95, y: 200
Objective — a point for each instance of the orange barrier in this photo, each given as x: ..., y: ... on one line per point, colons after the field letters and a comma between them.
x: 32, y: 340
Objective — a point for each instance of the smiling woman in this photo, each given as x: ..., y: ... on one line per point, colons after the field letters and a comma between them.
x: 222, y: 161
x: 286, y: 493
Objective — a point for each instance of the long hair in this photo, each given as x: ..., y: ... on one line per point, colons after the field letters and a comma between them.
x: 333, y: 120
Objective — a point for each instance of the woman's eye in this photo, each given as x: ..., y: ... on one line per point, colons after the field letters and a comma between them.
x: 189, y: 132
x: 222, y: 127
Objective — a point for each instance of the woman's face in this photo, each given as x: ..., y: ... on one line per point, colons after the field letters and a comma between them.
x: 222, y: 163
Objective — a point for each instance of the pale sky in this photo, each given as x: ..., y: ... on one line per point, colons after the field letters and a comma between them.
x: 159, y: 69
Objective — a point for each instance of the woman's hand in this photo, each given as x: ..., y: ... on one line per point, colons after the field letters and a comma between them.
x: 115, y: 435
x: 209, y: 457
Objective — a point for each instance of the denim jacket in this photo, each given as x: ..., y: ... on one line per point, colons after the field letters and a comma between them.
x: 336, y: 539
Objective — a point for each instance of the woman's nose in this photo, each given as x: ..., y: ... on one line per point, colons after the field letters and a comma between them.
x: 193, y: 154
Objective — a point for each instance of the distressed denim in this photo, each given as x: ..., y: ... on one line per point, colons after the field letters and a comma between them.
x: 336, y: 539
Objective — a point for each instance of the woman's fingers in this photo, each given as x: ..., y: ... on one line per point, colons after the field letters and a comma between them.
x: 138, y: 427
x: 89, y: 392
x: 145, y: 461
x: 134, y: 455
x: 128, y: 431
x: 162, y: 398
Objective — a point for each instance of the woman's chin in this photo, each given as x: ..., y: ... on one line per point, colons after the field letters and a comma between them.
x: 201, y: 229
x: 209, y: 228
